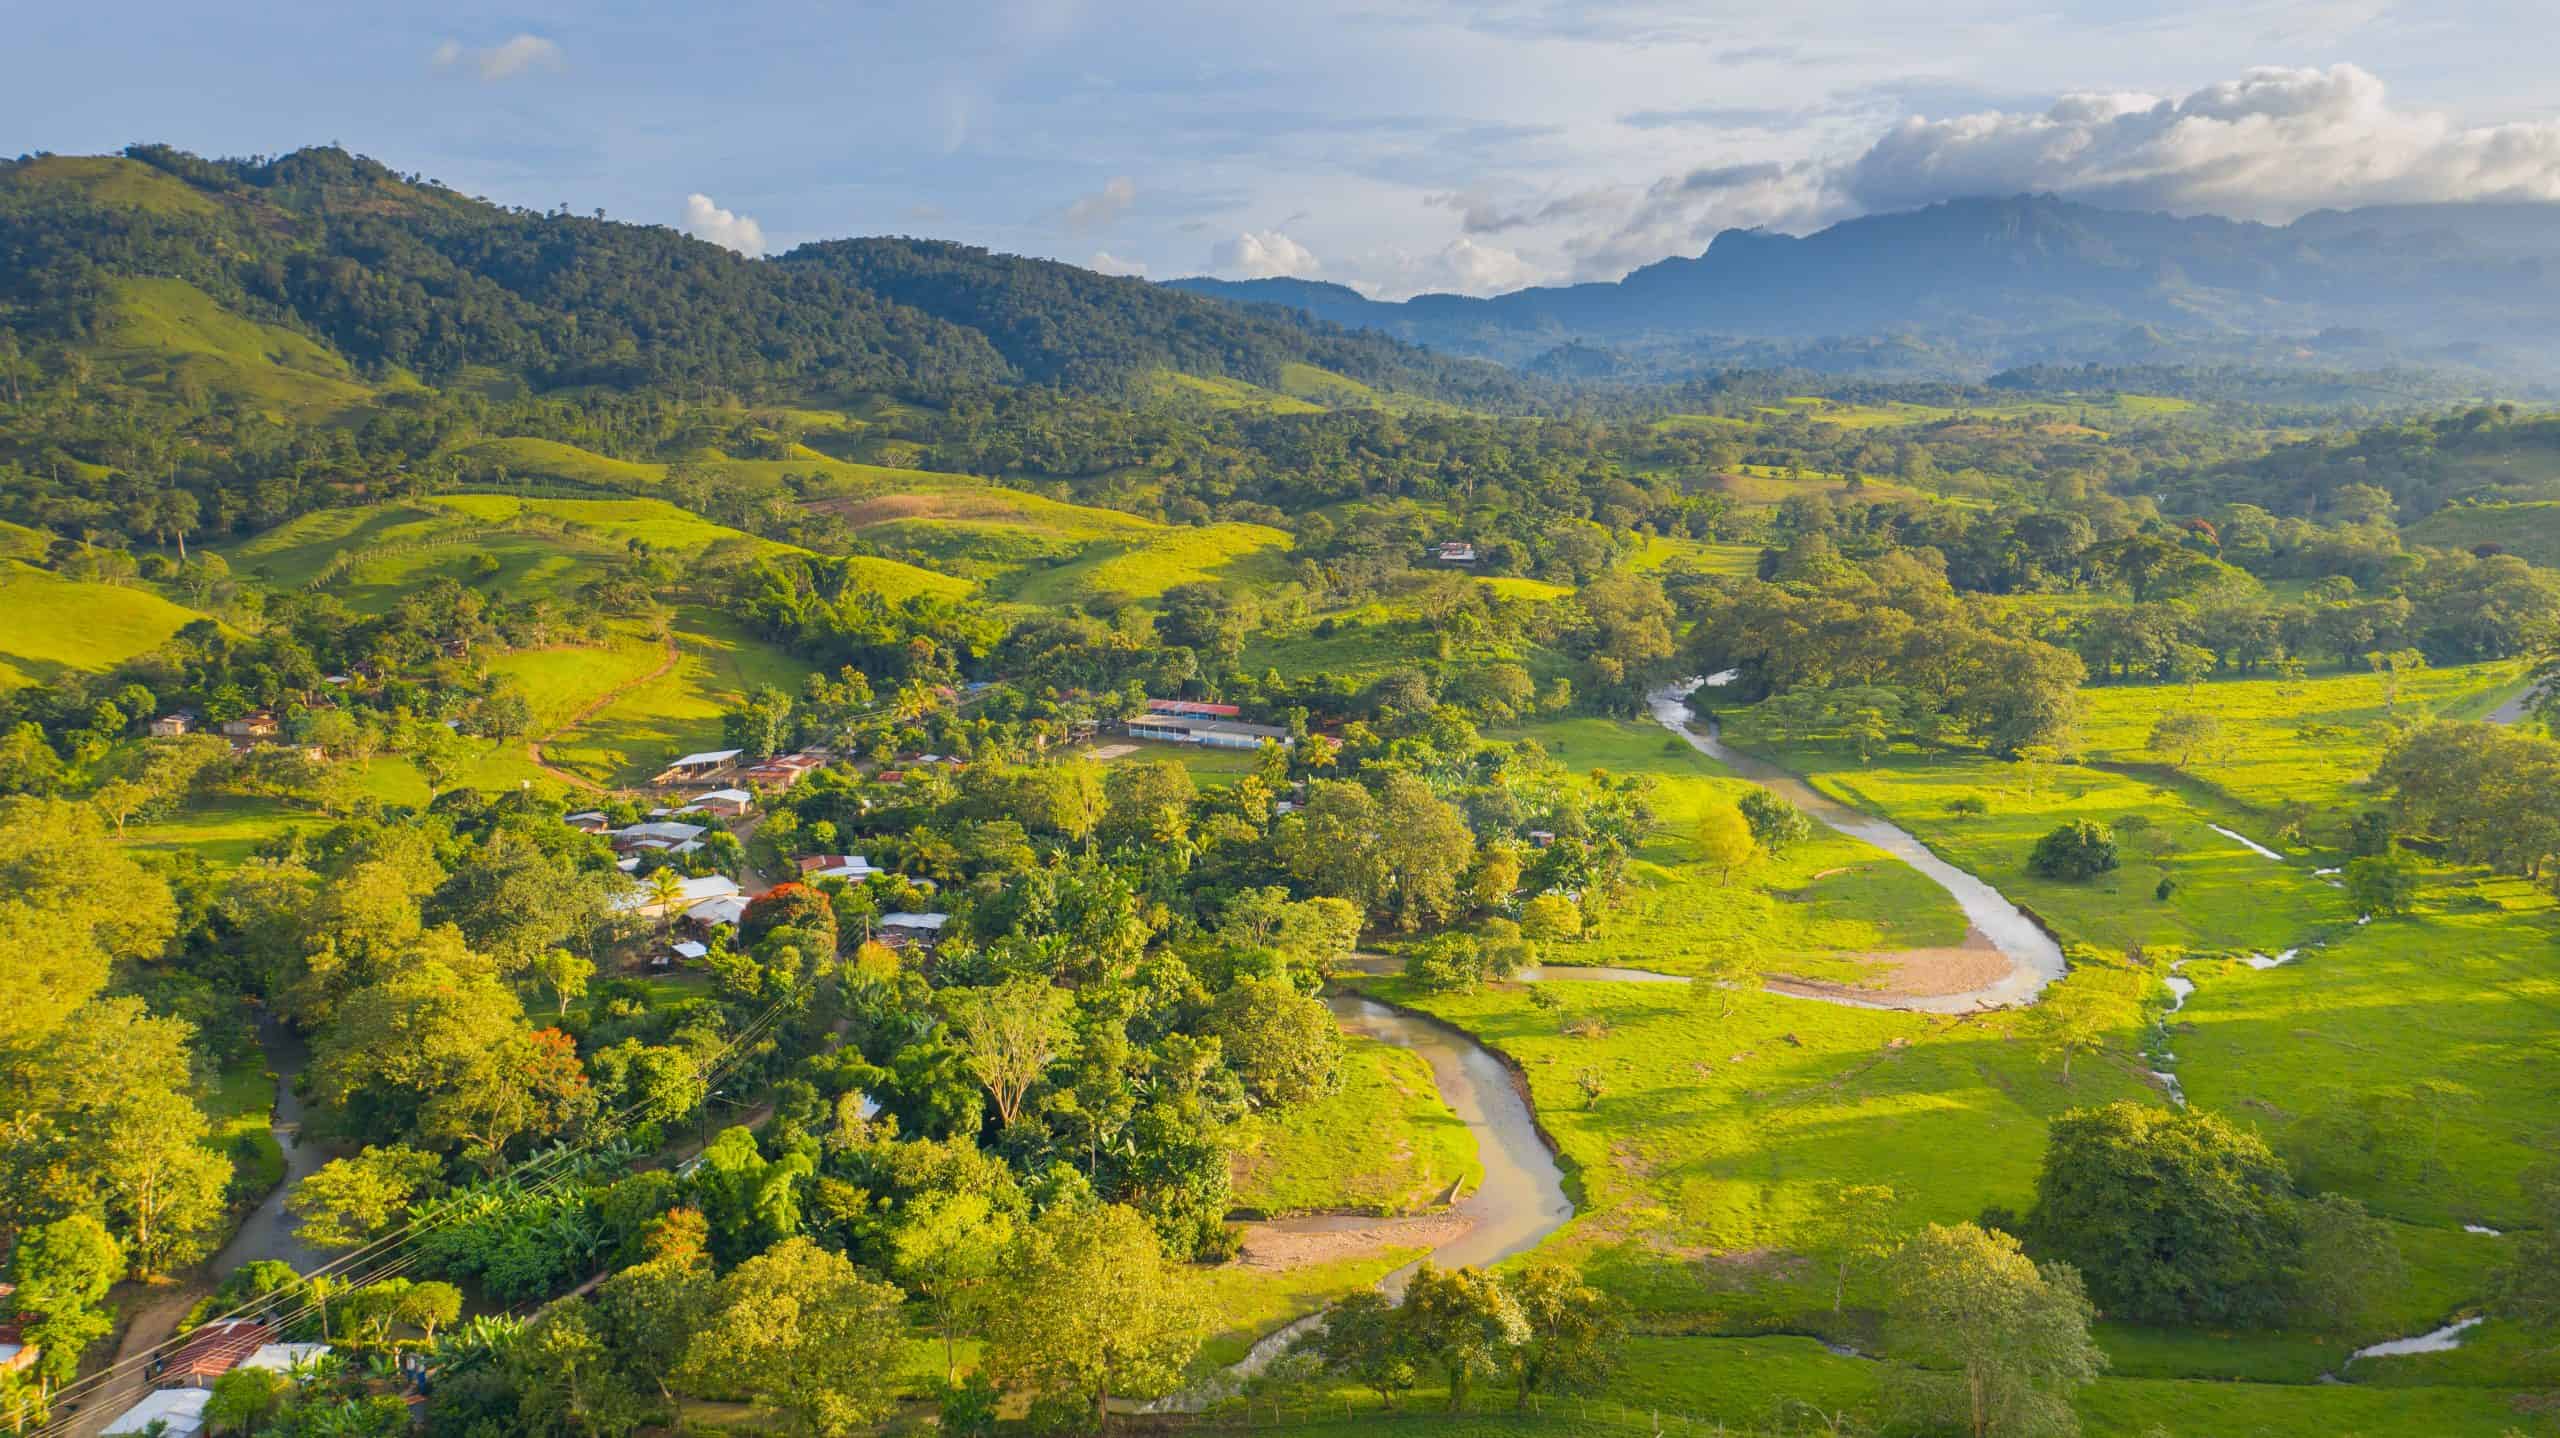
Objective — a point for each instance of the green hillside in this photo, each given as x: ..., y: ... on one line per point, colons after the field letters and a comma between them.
x: 2530, y: 529
x: 168, y: 332
x: 49, y: 624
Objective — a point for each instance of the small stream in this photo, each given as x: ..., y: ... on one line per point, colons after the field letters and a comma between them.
x: 2035, y: 959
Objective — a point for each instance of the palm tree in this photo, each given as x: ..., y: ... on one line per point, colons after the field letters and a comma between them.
x: 665, y: 887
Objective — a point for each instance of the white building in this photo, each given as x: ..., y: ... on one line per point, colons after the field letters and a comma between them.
x: 641, y: 899
x: 178, y: 1411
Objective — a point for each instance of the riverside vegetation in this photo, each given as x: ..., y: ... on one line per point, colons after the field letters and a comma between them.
x: 2247, y: 710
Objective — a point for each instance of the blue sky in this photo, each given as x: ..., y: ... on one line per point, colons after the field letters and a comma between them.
x: 1393, y: 146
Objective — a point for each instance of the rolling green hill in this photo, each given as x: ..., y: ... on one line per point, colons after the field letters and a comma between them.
x: 49, y: 624
x: 2530, y: 529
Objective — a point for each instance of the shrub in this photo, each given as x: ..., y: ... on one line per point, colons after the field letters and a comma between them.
x: 2077, y: 850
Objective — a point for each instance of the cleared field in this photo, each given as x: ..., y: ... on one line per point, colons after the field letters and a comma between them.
x: 111, y: 180
x: 167, y: 331
x: 50, y: 625
x: 2530, y: 530
x: 2310, y: 741
x: 678, y: 712
x: 1127, y: 571
x: 1810, y: 913
x: 372, y: 555
x: 1219, y: 392
x: 1384, y: 1144
x: 1664, y: 551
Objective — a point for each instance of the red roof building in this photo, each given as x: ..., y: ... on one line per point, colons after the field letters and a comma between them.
x: 1193, y: 709
x: 210, y: 1352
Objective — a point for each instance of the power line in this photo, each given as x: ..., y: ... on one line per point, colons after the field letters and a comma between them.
x: 555, y: 1166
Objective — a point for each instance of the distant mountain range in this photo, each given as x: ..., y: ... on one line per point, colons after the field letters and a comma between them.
x: 1980, y: 285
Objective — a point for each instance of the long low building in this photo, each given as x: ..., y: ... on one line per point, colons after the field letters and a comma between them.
x: 169, y: 1412
x: 1207, y: 733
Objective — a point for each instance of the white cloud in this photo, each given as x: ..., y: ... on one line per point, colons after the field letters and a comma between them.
x: 706, y: 221
x: 1680, y: 213
x: 1263, y: 255
x: 2269, y: 146
x: 1105, y: 262
x: 1097, y: 210
x: 1463, y: 266
x: 511, y: 56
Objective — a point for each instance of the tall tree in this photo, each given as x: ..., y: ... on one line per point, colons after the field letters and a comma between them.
x: 800, y: 1328
x: 1995, y: 1343
x: 1094, y: 1309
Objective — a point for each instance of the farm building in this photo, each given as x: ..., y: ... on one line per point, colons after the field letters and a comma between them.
x: 692, y: 768
x: 1207, y: 733
x: 1455, y: 551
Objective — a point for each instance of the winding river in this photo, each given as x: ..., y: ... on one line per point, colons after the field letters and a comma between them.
x: 2035, y: 960
x: 1522, y: 1199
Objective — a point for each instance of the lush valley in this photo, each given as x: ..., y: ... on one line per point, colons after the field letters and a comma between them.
x: 897, y: 839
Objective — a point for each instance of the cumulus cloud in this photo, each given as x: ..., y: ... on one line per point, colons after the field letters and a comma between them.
x: 1680, y: 213
x: 1097, y: 210
x: 706, y: 221
x: 1105, y: 262
x: 1463, y: 266
x: 2269, y: 146
x: 511, y: 56
x: 1481, y: 214
x: 1263, y: 255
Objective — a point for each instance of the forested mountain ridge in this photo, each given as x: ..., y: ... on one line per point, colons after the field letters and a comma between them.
x: 401, y: 275
x: 2033, y: 278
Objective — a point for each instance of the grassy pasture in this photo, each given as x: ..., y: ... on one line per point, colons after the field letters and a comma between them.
x: 167, y: 330
x: 2530, y: 529
x: 717, y: 663
x: 1137, y: 569
x: 1717, y: 1139
x: 1384, y: 1144
x: 50, y: 625
x: 1805, y: 914
x: 2310, y: 741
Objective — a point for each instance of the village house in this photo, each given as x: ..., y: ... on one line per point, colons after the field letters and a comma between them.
x: 16, y: 1353
x: 286, y: 1357
x: 587, y: 821
x: 210, y: 1352
x: 256, y: 724
x: 785, y: 770
x: 656, y: 833
x: 1456, y: 551
x: 640, y: 899
x: 852, y: 868
x: 720, y: 913
x: 174, y: 724
x: 1194, y: 709
x: 902, y: 930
